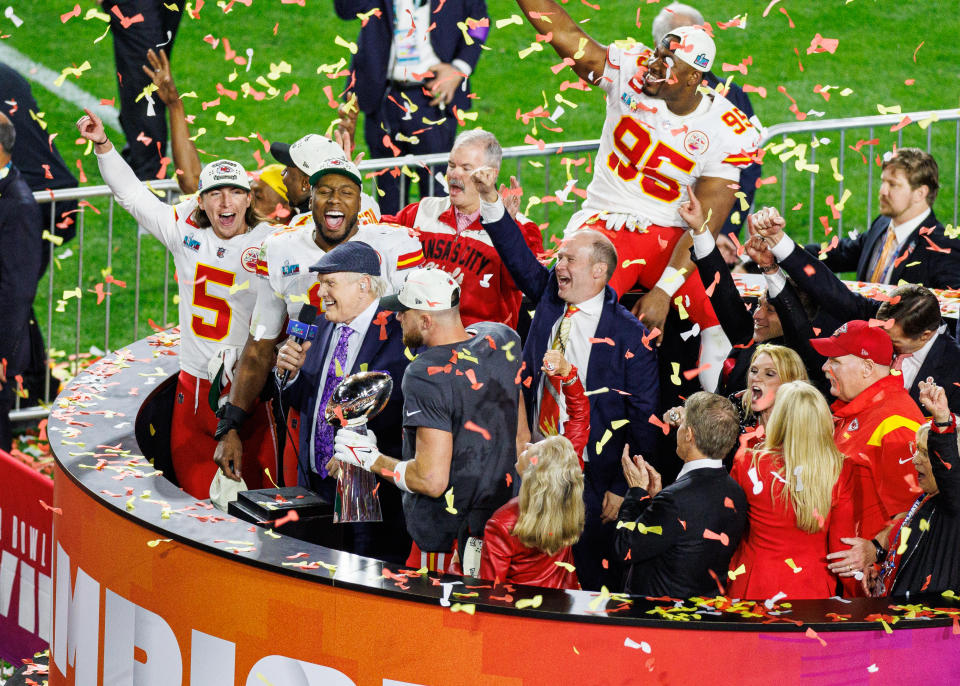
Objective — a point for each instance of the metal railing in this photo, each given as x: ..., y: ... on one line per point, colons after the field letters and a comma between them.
x: 781, y: 140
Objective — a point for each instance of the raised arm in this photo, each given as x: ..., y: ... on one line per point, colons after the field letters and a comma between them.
x: 185, y: 156
x: 567, y: 38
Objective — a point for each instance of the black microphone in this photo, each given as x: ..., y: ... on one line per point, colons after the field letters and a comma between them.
x: 302, y: 329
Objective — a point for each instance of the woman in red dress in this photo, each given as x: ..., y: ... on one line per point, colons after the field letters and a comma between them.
x: 527, y: 541
x: 799, y: 489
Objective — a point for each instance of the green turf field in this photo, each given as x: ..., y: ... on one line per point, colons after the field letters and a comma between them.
x: 888, y: 53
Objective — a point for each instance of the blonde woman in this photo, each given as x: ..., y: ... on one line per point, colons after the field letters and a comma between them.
x: 800, y: 494
x: 770, y: 366
x: 527, y: 541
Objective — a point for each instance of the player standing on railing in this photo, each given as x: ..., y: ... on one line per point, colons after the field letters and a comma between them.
x: 663, y: 135
x: 215, y: 239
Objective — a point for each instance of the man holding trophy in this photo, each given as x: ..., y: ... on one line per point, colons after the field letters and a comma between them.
x: 460, y: 419
x: 356, y: 333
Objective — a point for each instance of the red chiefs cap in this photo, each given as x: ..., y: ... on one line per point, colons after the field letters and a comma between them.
x: 858, y: 338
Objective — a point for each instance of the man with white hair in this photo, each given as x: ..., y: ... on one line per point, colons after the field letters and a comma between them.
x: 663, y: 135
x: 287, y: 284
x: 455, y: 241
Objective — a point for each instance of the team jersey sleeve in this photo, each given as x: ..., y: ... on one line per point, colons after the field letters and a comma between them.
x: 739, y: 139
x: 400, y: 252
x: 157, y: 217
x: 270, y: 308
x: 610, y: 81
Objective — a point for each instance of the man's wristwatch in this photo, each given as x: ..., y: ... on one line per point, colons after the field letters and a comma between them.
x: 881, y: 551
x: 231, y: 417
x: 771, y: 269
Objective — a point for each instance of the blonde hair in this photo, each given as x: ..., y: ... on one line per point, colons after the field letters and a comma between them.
x: 551, y: 498
x: 786, y: 361
x: 800, y: 430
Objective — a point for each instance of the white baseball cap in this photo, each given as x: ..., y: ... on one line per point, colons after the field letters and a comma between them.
x: 696, y: 47
x: 425, y: 289
x: 336, y: 165
x: 223, y: 173
x: 311, y: 151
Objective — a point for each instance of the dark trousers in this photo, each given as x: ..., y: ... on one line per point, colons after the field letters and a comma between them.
x: 157, y: 31
x: 390, y: 120
x: 594, y: 554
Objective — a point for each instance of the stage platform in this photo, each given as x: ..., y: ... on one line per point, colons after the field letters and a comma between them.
x: 152, y: 586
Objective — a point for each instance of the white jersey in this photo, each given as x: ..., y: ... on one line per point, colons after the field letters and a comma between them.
x: 216, y: 277
x: 286, y: 283
x: 648, y: 155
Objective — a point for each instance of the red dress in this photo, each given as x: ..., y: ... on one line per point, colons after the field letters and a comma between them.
x: 505, y: 559
x: 773, y: 536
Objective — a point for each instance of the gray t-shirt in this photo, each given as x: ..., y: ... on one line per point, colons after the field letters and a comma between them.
x: 471, y: 390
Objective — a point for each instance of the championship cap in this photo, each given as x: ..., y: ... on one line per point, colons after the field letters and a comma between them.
x: 696, y: 47
x: 857, y: 338
x: 307, y: 153
x: 223, y: 173
x: 425, y: 289
x: 336, y: 165
x: 352, y: 256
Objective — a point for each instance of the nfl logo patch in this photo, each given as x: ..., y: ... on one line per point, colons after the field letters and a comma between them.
x: 220, y: 252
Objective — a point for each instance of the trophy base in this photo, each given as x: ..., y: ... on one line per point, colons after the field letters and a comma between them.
x: 315, y: 514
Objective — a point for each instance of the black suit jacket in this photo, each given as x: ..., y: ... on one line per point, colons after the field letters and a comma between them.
x: 368, y: 77
x: 922, y: 264
x: 676, y: 561
x: 376, y: 354
x: 834, y: 296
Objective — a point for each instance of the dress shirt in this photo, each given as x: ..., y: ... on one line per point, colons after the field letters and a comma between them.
x: 911, y: 365
x: 464, y: 221
x: 903, y: 231
x: 360, y: 324
x: 704, y: 463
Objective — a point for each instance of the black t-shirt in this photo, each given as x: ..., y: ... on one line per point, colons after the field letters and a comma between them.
x: 471, y: 390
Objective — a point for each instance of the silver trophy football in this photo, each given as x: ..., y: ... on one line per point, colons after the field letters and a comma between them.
x: 355, y: 400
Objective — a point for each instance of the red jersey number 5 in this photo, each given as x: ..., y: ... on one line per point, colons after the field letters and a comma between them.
x: 220, y: 327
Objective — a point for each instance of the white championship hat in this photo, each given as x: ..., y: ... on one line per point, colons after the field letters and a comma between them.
x: 696, y: 47
x: 424, y: 289
x: 223, y: 173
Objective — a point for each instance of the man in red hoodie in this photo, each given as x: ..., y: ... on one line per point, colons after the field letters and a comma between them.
x: 455, y: 241
x: 875, y: 421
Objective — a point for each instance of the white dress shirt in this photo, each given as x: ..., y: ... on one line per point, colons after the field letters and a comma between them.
x: 911, y: 365
x: 360, y: 324
x: 705, y: 463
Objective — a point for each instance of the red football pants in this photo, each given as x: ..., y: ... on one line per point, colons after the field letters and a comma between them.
x: 192, y: 444
x: 655, y: 247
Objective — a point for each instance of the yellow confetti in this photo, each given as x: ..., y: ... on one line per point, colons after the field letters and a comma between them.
x: 534, y: 47
x: 157, y: 541
x: 409, y: 355
x: 524, y: 603
x: 465, y: 30
x: 675, y: 377
x: 71, y: 71
x: 580, y: 49
x: 147, y: 90
x: 344, y: 43
x: 271, y: 534
x: 924, y: 525
x: 93, y: 13
x: 837, y: 176
x: 847, y: 193
x: 904, y: 535
x: 448, y: 496
x: 129, y: 504
x: 513, y: 19
x: 607, y: 435
x: 616, y: 424
x: 894, y: 109
x: 227, y: 119
x: 793, y: 565
x: 276, y: 70
x: 627, y: 263
x: 56, y: 240
x: 734, y: 573
x: 75, y: 293
x: 239, y: 286
x: 463, y: 607
x: 566, y: 565
x: 924, y: 123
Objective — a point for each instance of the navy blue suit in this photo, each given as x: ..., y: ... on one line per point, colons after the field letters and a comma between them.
x: 370, y: 80
x: 387, y: 540
x: 922, y: 265
x: 626, y: 366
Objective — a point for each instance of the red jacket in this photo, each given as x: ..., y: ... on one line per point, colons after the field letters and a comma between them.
x: 507, y: 560
x: 487, y: 292
x: 877, y: 426
x: 773, y: 536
